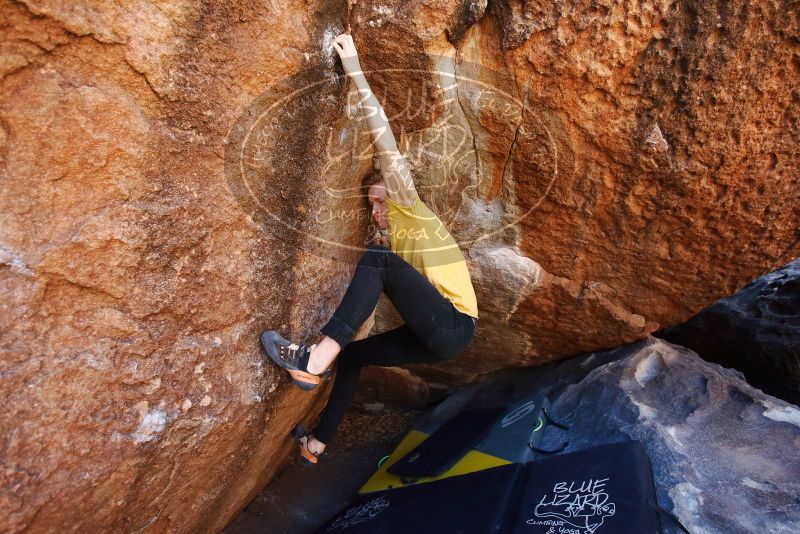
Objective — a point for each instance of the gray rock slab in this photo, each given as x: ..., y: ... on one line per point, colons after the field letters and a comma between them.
x: 725, y: 456
x: 756, y: 330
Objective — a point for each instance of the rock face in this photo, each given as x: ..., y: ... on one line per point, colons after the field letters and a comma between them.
x: 757, y: 331
x: 177, y: 177
x: 611, y: 169
x: 134, y: 284
x: 725, y: 455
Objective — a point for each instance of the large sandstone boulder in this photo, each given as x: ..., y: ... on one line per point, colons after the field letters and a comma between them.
x: 617, y: 169
x: 178, y: 176
x: 757, y: 331
x: 134, y: 285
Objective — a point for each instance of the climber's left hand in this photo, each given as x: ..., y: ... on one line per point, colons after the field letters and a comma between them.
x: 343, y: 44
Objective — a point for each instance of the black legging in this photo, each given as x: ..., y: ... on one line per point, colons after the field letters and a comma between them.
x: 434, y: 329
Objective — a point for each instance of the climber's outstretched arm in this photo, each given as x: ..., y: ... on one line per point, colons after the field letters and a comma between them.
x: 396, y: 175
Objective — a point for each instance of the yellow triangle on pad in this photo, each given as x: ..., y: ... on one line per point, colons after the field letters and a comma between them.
x: 471, y: 462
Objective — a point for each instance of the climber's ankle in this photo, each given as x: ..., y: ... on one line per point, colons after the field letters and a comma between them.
x: 312, y: 444
x: 323, y: 355
x: 313, y: 366
x: 315, y: 445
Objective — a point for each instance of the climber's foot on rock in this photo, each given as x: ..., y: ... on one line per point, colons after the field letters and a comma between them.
x: 292, y: 357
x: 310, y: 448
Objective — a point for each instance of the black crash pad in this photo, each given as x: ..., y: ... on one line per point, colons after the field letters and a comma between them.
x: 451, y: 441
x: 601, y: 490
x: 471, y: 503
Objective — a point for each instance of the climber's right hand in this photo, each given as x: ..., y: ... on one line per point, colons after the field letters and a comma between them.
x: 343, y: 44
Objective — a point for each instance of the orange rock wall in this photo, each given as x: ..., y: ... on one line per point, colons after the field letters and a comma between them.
x: 134, y: 285
x: 637, y: 162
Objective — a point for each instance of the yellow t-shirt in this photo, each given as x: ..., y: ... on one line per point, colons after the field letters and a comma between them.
x: 418, y: 236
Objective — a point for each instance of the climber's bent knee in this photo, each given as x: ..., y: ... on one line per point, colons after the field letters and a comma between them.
x: 447, y: 343
x: 444, y: 348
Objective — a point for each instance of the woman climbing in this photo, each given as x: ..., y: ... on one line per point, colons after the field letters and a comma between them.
x: 424, y: 275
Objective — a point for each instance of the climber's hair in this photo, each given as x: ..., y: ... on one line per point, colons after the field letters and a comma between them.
x: 371, y: 179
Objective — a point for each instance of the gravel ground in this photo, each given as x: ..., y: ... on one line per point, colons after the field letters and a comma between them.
x: 302, y: 498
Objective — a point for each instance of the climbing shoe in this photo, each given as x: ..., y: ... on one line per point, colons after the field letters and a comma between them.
x: 299, y: 432
x: 293, y: 358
